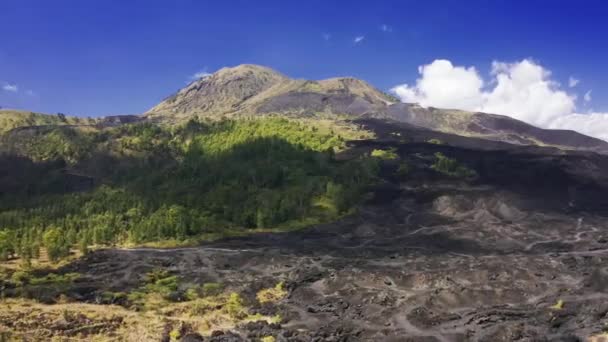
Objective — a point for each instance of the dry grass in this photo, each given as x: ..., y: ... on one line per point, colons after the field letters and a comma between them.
x: 603, y: 337
x: 26, y: 319
x: 272, y: 295
x: 148, y: 315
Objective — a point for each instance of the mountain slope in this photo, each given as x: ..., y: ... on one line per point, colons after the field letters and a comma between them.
x: 251, y: 90
x: 11, y: 119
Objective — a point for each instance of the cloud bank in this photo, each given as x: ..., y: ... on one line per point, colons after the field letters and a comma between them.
x: 10, y: 87
x: 523, y: 90
x: 386, y: 28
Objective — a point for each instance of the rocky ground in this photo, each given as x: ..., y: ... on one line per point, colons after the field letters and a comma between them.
x: 518, y: 253
x: 461, y: 270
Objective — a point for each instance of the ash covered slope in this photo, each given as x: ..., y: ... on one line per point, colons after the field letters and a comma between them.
x: 492, y: 127
x: 252, y: 90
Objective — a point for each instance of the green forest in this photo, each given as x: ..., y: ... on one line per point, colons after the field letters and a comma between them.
x: 71, y: 187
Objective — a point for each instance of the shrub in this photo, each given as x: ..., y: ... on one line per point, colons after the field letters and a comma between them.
x: 451, y: 167
x: 191, y: 294
x: 174, y: 335
x: 385, y: 154
x: 435, y: 141
x: 403, y: 169
x: 272, y: 295
x: 21, y: 277
x: 212, y: 289
x: 155, y: 275
x: 234, y: 306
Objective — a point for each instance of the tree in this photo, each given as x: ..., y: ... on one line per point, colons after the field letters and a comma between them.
x: 7, y: 244
x: 84, y: 241
x: 25, y: 250
x: 335, y: 192
x: 55, y: 244
x: 71, y: 236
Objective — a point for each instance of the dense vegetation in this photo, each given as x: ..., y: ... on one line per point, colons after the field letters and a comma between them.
x: 68, y: 187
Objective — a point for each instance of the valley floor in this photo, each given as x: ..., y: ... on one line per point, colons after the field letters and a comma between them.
x: 463, y: 267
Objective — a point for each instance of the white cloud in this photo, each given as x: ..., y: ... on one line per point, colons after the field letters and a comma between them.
x: 523, y: 90
x: 587, y: 96
x: 200, y: 74
x: 444, y: 85
x: 386, y: 28
x: 358, y: 39
x: 592, y: 124
x: 10, y: 87
x: 572, y: 82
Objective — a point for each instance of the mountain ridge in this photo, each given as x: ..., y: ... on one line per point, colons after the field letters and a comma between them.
x: 253, y: 90
x: 250, y: 90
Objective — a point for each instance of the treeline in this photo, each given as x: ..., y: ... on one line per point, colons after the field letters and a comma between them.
x: 153, y: 183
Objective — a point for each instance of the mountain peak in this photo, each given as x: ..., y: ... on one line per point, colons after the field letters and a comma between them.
x: 250, y: 89
x: 247, y: 68
x: 219, y: 93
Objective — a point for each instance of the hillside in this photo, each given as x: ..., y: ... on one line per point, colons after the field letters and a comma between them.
x: 11, y: 119
x: 189, y: 181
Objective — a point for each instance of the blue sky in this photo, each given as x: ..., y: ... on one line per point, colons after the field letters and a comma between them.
x: 114, y: 57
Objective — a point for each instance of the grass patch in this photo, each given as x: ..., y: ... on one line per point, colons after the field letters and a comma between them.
x: 558, y: 306
x: 55, y: 279
x: 160, y: 288
x: 143, y: 314
x: 29, y: 283
x: 272, y: 295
